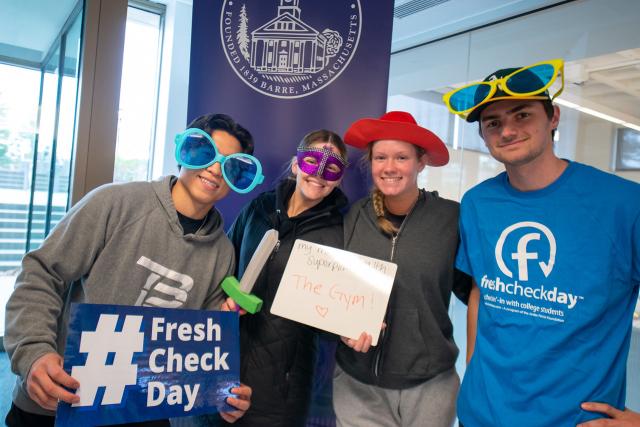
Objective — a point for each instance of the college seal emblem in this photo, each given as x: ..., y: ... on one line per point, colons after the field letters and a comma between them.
x: 290, y: 48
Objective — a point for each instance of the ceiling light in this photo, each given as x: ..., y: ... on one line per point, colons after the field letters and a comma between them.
x: 598, y: 114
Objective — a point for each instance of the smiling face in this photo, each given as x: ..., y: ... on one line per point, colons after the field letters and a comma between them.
x: 311, y: 189
x: 197, y: 190
x: 518, y: 132
x: 395, y: 167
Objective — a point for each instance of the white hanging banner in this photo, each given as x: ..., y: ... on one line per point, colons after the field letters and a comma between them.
x: 335, y: 290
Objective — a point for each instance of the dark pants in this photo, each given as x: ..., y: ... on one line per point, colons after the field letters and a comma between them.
x: 19, y: 418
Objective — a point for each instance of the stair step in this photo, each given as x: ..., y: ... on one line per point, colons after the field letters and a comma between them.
x: 11, y: 252
x: 10, y: 263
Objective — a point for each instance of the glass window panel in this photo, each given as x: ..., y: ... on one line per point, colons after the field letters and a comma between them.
x: 628, y: 149
x: 66, y: 123
x: 19, y: 91
x: 44, y: 146
x: 138, y: 96
x: 31, y: 108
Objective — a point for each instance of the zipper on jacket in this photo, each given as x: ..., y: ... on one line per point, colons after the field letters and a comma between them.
x: 393, y: 245
x: 376, y: 367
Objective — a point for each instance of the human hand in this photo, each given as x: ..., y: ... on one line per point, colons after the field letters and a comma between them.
x: 242, y: 401
x: 362, y: 344
x: 46, y: 381
x: 230, y: 305
x: 618, y: 418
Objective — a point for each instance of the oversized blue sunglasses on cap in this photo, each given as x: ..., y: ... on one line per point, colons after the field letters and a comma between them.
x: 195, y: 149
x: 530, y: 82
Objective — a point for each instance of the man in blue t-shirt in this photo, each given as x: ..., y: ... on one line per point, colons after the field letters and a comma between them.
x: 553, y: 247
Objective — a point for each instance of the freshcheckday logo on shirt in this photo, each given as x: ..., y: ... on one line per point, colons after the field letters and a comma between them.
x: 142, y: 363
x: 526, y: 255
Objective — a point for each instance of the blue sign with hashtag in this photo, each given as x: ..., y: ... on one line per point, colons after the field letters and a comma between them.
x: 142, y: 363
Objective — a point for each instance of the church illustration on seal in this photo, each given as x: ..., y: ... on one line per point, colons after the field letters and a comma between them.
x: 286, y: 44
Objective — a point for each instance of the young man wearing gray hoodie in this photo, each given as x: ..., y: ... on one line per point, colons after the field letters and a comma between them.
x: 158, y: 244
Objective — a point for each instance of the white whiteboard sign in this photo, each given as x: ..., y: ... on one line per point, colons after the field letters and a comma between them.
x: 334, y: 290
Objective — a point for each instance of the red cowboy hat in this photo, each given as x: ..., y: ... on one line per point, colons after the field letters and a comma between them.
x: 398, y: 125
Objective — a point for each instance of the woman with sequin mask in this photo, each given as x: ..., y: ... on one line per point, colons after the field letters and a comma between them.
x: 277, y: 355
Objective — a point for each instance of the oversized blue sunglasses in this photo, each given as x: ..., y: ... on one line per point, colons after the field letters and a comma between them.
x: 531, y: 81
x: 195, y: 149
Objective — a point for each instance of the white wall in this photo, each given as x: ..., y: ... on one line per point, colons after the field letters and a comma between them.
x: 174, y: 84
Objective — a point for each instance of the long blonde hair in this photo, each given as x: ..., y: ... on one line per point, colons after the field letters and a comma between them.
x: 377, y: 196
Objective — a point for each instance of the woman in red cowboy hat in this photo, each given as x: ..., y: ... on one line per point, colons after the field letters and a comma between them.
x: 409, y: 378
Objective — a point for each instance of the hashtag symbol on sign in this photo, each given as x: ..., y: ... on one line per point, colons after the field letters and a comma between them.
x: 98, y: 344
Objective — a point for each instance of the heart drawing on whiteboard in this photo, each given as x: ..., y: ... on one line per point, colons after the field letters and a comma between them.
x: 322, y: 311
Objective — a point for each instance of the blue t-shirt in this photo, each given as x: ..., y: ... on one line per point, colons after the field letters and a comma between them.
x: 558, y: 271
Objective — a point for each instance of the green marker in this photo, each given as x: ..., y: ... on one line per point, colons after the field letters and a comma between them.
x: 240, y: 291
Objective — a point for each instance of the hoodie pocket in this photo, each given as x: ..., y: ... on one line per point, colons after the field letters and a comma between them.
x: 405, y: 351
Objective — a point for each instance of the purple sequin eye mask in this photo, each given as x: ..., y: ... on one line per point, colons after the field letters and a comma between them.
x: 315, y: 161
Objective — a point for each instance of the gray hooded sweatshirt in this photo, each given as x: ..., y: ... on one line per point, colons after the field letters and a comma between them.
x: 121, y: 244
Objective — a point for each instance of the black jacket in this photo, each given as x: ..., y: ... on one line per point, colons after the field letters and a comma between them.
x: 277, y: 355
x: 417, y: 343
